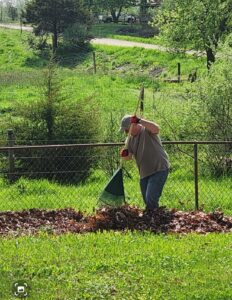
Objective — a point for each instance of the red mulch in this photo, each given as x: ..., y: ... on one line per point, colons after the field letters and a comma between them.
x: 161, y: 220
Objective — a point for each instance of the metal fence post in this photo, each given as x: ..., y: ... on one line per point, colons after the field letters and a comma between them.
x: 196, y: 175
x: 10, y: 139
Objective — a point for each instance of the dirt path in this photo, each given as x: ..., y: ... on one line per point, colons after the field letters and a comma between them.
x: 123, y: 43
x: 12, y: 26
x: 110, y: 42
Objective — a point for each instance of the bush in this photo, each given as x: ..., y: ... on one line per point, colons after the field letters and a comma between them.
x: 214, y: 96
x: 76, y: 35
x: 52, y: 120
x: 37, y: 42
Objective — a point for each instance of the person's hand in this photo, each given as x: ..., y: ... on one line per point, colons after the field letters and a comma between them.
x: 134, y: 119
x: 124, y: 153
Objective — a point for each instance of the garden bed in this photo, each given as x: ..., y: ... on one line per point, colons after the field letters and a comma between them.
x: 125, y: 218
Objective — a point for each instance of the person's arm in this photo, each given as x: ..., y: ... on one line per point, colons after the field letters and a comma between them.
x: 150, y: 126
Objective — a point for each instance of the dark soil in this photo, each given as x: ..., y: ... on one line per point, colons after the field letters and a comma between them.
x: 124, y: 218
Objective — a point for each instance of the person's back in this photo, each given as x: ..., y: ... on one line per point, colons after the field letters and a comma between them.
x: 149, y: 153
x: 145, y: 146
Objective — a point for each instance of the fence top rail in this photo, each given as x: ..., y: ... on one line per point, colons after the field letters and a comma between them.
x: 110, y: 144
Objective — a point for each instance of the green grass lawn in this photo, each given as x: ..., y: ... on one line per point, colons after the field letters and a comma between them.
x: 118, y: 266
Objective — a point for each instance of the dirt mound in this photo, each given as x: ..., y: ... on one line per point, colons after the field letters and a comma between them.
x: 124, y: 218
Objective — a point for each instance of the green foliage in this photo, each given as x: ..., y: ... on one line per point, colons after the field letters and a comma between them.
x: 54, y: 16
x: 114, y: 7
x: 37, y: 42
x: 76, y: 35
x: 12, y: 12
x: 201, y: 23
x: 214, y: 97
x: 50, y: 121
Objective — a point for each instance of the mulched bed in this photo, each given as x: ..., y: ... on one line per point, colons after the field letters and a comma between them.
x: 125, y: 218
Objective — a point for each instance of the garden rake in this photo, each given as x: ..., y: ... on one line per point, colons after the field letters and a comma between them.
x: 113, y: 194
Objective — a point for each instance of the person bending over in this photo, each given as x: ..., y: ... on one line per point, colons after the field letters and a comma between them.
x: 145, y: 146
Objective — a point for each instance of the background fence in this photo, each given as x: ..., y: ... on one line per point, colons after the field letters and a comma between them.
x: 58, y: 176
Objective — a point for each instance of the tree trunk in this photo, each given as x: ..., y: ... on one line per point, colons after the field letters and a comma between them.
x: 1, y: 13
x: 143, y: 12
x: 116, y: 16
x: 210, y: 57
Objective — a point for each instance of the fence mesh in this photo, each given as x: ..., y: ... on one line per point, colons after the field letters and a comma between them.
x: 75, y: 175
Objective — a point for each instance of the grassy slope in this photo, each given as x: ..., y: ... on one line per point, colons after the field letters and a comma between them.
x: 119, y: 266
x: 120, y: 70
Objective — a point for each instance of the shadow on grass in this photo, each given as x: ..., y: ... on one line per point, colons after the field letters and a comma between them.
x: 66, y: 57
x: 72, y: 57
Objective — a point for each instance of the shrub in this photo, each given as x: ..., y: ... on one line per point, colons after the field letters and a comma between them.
x: 37, y: 43
x: 52, y: 120
x: 214, y: 95
x: 76, y: 35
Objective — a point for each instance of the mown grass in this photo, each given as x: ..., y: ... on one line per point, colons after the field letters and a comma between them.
x: 118, y: 266
x: 113, y: 31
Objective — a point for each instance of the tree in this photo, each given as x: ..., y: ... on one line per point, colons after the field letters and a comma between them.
x: 213, y: 97
x: 12, y: 12
x: 1, y: 10
x: 52, y: 119
x: 114, y: 6
x: 200, y: 23
x: 54, y: 16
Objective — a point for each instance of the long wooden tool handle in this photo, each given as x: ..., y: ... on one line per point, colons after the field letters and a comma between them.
x: 131, y: 125
x: 130, y: 128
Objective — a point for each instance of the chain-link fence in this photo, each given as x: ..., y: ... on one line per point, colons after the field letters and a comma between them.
x: 58, y: 176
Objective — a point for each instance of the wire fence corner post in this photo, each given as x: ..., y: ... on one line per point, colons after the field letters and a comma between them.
x: 196, y: 175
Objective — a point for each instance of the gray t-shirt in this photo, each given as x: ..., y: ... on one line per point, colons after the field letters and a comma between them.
x: 148, y: 152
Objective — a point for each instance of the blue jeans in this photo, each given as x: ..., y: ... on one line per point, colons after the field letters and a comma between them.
x: 151, y: 188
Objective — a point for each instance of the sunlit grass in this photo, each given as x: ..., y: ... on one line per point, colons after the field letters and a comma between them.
x: 118, y: 266
x: 179, y: 192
